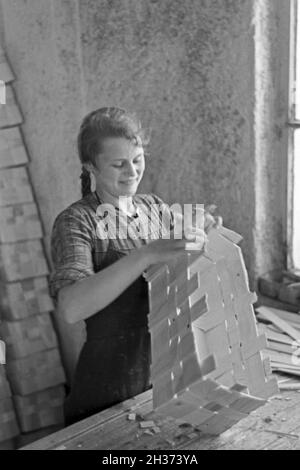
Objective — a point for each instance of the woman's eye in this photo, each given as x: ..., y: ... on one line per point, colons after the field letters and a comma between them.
x: 118, y: 165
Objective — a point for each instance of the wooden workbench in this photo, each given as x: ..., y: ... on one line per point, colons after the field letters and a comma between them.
x: 111, y: 430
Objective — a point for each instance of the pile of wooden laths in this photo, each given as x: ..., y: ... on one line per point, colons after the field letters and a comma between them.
x: 282, y: 330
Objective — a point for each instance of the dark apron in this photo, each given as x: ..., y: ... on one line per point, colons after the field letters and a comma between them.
x: 114, y: 363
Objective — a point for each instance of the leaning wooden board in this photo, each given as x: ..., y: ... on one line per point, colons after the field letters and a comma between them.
x: 112, y: 430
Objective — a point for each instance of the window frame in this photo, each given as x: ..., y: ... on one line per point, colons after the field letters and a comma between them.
x: 292, y: 125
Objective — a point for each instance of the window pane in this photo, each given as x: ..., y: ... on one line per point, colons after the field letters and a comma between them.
x: 296, y: 201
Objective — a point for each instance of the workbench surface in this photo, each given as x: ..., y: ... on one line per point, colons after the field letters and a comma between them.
x: 273, y: 426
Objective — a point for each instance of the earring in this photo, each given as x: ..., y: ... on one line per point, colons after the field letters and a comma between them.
x: 93, y: 182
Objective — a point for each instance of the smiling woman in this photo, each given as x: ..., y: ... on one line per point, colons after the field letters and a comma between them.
x: 111, y: 148
x: 120, y: 167
x: 100, y: 279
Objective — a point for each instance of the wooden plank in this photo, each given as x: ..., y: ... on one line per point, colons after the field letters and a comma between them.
x: 15, y: 187
x: 36, y: 372
x: 6, y: 73
x: 274, y: 336
x: 112, y: 430
x: 5, y: 390
x: 286, y: 315
x: 28, y: 336
x: 282, y: 366
x: 40, y: 409
x: 210, y: 287
x: 263, y: 321
x: 283, y: 358
x: 280, y: 347
x: 12, y: 149
x: 19, y: 222
x: 230, y: 235
x: 24, y: 298
x: 279, y: 322
x: 290, y: 386
x: 22, y: 260
x: 82, y: 429
x: 158, y: 291
x: 10, y: 113
x: 258, y: 386
x: 8, y: 423
x: 287, y: 371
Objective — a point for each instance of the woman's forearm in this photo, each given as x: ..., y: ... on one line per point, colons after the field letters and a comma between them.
x: 87, y: 296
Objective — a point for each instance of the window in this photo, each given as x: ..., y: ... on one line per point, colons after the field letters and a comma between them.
x: 294, y: 141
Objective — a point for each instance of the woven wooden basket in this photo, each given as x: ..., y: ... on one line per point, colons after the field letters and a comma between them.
x: 207, y: 368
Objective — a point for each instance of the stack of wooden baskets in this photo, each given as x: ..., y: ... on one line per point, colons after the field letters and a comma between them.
x: 32, y: 378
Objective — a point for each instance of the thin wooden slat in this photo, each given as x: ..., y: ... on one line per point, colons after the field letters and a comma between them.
x: 19, y: 222
x: 8, y: 423
x: 230, y: 235
x: 287, y: 365
x: 5, y: 390
x: 281, y: 324
x: 36, y: 372
x: 291, y: 386
x: 15, y: 187
x: 12, y: 149
x: 284, y: 358
x: 274, y: 336
x: 21, y: 299
x: 22, y: 260
x: 273, y: 327
x: 287, y: 370
x: 286, y: 315
x: 10, y: 113
x: 280, y: 347
x: 6, y: 73
x: 40, y: 409
x: 28, y: 336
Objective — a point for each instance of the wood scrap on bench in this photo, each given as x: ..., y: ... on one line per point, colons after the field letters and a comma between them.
x: 283, y: 337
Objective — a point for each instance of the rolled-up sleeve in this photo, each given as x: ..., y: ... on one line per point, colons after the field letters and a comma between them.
x: 71, y: 250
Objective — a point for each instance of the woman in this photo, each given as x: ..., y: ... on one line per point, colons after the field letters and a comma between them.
x: 99, y: 278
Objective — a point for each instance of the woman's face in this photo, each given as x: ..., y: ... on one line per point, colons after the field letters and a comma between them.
x: 120, y: 167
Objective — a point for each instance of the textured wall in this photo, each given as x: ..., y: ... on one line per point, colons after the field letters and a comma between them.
x: 188, y: 69
x: 271, y: 134
x: 205, y: 75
